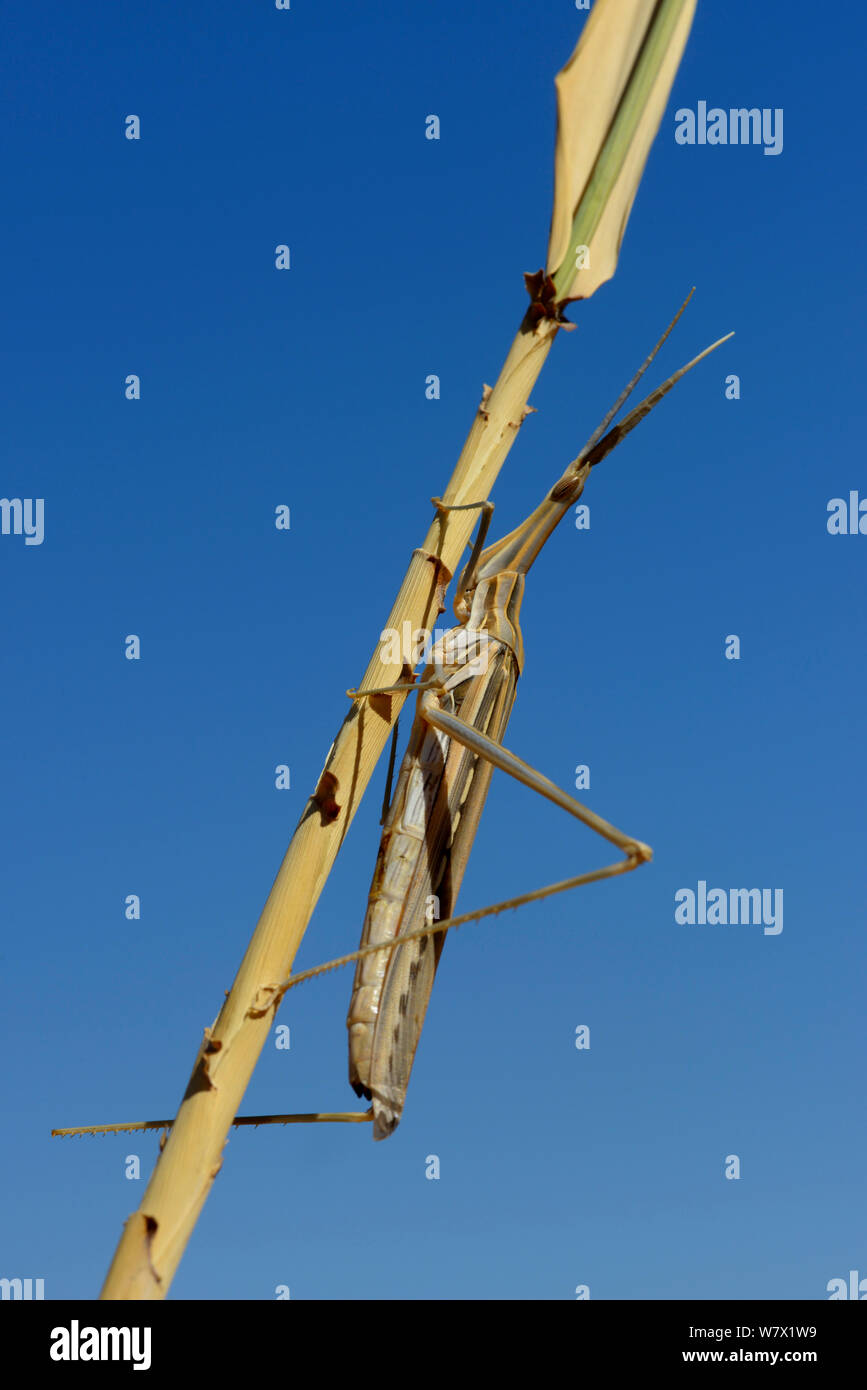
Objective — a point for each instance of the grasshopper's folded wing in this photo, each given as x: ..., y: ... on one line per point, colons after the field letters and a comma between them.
x: 454, y: 805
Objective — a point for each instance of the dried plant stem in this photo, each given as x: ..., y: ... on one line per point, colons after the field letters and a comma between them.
x: 610, y: 100
x: 155, y: 1236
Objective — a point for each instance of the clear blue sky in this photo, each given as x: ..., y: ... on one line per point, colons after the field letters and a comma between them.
x: 559, y: 1167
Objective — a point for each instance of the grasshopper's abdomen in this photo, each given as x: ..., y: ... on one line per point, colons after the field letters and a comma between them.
x: 399, y: 876
x: 422, y: 855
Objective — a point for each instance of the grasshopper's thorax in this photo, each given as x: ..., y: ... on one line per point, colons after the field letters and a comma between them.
x: 500, y: 571
x: 496, y: 610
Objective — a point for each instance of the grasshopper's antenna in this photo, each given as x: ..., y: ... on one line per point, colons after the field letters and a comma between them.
x: 619, y: 431
x: 630, y: 387
x: 598, y: 448
x: 519, y: 549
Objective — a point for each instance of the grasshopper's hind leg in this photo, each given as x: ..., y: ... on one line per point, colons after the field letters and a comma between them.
x: 635, y: 851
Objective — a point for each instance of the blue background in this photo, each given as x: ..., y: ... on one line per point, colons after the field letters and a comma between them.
x: 559, y: 1167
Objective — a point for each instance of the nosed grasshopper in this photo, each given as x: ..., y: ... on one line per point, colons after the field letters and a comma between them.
x: 464, y: 704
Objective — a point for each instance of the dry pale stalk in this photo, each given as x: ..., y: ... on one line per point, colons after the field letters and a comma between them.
x: 155, y: 1236
x: 620, y: 60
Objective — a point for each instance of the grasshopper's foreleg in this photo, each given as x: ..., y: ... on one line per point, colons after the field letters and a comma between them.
x: 467, y: 580
x: 468, y: 577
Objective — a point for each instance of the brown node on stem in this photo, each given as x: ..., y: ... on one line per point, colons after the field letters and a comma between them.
x: 324, y: 798
x: 527, y: 410
x: 544, y: 303
x: 201, y: 1077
